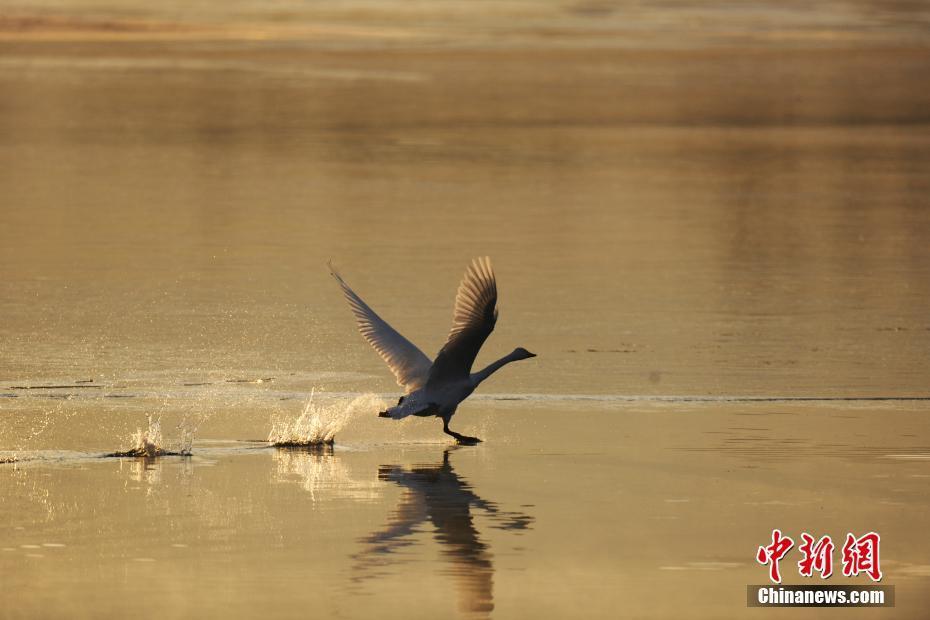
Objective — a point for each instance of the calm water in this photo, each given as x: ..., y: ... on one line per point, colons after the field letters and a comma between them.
x: 694, y: 227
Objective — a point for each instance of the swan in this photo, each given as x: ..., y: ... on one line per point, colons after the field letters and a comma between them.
x: 436, y: 388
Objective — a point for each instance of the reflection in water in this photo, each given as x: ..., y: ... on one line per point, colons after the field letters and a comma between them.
x: 148, y: 473
x: 435, y: 493
x: 145, y: 470
x: 318, y: 471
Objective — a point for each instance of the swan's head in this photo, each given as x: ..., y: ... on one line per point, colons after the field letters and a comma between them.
x: 521, y: 354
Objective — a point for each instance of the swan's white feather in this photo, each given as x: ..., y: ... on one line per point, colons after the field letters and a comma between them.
x: 408, y: 363
x: 473, y: 321
x: 477, y: 292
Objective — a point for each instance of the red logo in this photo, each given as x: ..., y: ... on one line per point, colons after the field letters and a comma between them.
x: 817, y: 556
x: 773, y: 553
x: 860, y: 555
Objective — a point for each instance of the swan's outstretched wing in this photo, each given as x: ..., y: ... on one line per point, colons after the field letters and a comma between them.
x: 408, y: 363
x: 472, y: 322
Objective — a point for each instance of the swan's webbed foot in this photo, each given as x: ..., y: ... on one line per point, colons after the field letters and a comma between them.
x: 463, y: 440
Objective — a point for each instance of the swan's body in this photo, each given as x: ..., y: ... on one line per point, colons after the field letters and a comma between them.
x: 435, y: 388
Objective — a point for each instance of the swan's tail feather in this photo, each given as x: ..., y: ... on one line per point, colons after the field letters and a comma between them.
x: 394, y: 413
x: 402, y: 411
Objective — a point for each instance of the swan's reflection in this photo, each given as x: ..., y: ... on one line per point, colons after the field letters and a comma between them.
x: 435, y: 493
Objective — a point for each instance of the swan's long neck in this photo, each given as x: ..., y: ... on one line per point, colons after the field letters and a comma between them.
x: 493, y: 367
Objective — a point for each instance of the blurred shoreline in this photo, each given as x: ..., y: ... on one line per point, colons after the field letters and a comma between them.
x: 449, y: 24
x: 511, y: 88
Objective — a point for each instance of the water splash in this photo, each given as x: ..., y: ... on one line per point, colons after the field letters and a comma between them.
x: 318, y: 423
x: 149, y: 442
x: 36, y: 426
x: 187, y: 428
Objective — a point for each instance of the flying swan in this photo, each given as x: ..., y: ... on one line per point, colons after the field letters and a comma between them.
x: 437, y: 388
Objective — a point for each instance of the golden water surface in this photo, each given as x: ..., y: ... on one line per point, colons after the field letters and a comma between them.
x: 709, y: 220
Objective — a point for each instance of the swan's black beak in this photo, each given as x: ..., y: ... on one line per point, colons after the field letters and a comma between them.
x: 528, y: 354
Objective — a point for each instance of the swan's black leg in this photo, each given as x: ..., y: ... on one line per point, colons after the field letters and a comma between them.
x: 465, y: 440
